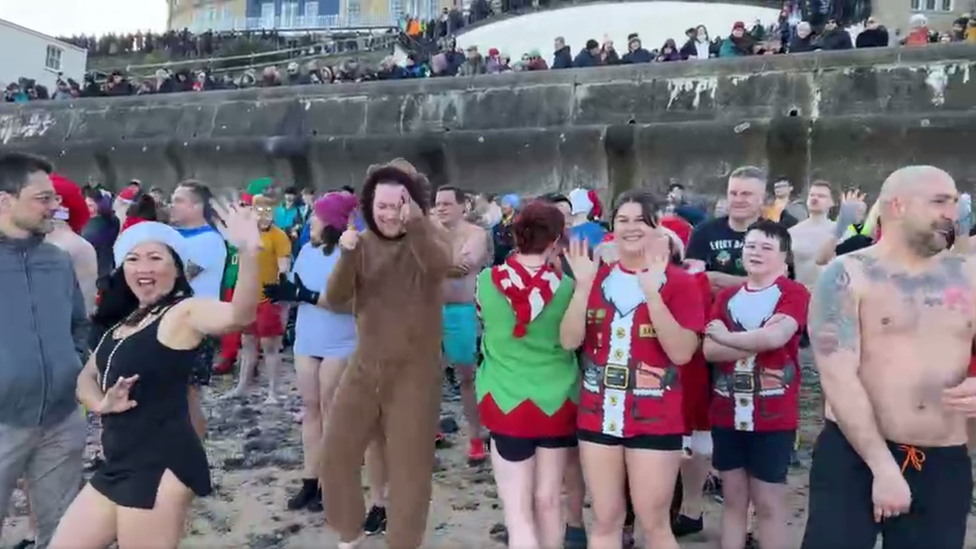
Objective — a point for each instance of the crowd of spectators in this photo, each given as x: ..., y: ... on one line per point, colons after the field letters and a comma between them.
x: 185, y: 44
x: 436, y: 53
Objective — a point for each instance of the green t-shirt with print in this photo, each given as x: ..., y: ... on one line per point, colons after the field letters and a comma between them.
x: 230, y: 268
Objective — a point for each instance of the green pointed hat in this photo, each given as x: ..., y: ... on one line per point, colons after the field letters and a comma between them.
x: 256, y: 187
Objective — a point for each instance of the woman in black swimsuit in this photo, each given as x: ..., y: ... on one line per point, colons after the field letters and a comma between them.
x: 137, y: 381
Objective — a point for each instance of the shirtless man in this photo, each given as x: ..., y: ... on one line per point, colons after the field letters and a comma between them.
x: 64, y: 236
x: 470, y: 253
x: 892, y: 330
x: 809, y: 235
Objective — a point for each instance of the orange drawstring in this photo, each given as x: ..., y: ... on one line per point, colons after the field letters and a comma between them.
x: 913, y: 457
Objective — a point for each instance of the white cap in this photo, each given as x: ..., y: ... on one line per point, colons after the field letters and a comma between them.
x: 580, y: 203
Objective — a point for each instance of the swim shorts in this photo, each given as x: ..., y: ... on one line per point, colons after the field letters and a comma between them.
x: 269, y: 322
x: 840, y: 512
x: 765, y: 455
x: 517, y: 449
x: 461, y: 334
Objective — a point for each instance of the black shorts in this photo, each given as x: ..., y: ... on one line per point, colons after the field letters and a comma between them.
x: 840, y: 512
x: 203, y: 365
x: 765, y: 455
x: 663, y: 443
x: 516, y: 449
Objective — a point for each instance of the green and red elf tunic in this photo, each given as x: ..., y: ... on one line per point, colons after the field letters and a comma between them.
x: 254, y: 188
x: 527, y: 384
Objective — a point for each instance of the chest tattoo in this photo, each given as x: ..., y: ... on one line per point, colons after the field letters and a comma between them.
x: 945, y: 286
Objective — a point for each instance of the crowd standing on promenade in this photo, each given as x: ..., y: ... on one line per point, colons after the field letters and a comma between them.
x: 437, y: 55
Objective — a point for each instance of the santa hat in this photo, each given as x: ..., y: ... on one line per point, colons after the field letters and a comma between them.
x: 580, y: 202
x: 679, y: 225
x: 128, y: 195
x: 73, y: 209
x: 149, y: 231
x: 678, y: 229
x: 597, y: 211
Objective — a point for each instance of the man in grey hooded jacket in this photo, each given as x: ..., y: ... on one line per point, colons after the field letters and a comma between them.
x: 43, y: 342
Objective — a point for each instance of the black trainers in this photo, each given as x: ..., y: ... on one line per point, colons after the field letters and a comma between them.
x: 308, y: 493
x: 686, y: 526
x: 375, y: 521
x: 316, y: 505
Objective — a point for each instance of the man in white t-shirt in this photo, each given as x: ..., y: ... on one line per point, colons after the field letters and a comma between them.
x: 205, y: 269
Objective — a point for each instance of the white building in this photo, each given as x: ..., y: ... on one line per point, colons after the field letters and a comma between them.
x: 29, y: 54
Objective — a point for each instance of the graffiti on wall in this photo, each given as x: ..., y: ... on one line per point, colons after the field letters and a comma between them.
x: 21, y: 126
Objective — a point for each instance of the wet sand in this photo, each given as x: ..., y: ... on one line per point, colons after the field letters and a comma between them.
x: 256, y: 453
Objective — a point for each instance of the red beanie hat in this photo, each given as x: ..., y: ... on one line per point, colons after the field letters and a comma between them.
x: 74, y: 209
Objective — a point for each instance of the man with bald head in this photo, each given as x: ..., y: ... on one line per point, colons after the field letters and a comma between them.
x: 892, y: 329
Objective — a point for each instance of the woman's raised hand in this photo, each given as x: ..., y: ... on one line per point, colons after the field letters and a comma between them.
x: 578, y: 256
x: 238, y: 225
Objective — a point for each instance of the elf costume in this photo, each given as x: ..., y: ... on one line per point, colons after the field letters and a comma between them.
x: 230, y: 343
x: 527, y: 384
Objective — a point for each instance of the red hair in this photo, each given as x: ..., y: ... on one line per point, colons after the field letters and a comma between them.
x: 537, y: 226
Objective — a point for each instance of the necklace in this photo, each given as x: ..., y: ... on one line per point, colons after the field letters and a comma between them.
x: 108, y: 363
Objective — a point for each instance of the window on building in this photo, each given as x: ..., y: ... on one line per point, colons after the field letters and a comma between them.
x: 353, y: 11
x: 396, y: 9
x: 209, y: 18
x: 267, y: 15
x: 225, y: 21
x: 311, y: 14
x: 53, y: 59
x: 289, y: 15
x: 933, y: 5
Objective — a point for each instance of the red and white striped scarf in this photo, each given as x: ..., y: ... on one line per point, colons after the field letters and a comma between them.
x: 528, y: 294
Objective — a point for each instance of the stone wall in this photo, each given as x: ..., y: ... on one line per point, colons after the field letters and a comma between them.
x: 848, y: 117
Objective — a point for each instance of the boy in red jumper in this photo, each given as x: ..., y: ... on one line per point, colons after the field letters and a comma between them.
x: 753, y: 341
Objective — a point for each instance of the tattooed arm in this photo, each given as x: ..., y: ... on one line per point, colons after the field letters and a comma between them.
x: 835, y: 336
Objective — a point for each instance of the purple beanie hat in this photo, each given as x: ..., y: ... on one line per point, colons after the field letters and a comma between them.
x: 334, y: 209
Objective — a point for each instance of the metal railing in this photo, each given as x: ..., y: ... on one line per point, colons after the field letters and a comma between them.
x: 300, y: 54
x: 300, y: 23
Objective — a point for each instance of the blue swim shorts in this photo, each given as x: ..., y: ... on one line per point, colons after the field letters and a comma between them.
x: 460, y: 334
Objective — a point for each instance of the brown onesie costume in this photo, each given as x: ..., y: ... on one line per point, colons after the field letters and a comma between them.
x: 392, y: 387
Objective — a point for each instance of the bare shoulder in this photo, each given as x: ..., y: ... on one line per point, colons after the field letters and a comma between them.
x: 175, y: 329
x: 834, y: 313
x: 473, y: 231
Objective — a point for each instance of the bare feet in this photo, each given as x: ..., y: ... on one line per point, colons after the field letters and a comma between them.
x: 237, y: 392
x: 352, y: 544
